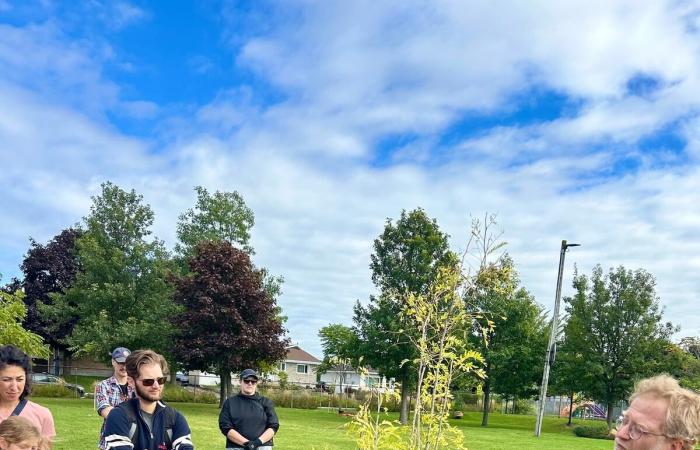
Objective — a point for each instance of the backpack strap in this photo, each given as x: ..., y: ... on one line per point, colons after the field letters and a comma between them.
x: 168, y: 424
x: 20, y: 406
x: 129, y: 408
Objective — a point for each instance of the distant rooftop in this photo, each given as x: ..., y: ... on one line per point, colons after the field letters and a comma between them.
x: 295, y: 353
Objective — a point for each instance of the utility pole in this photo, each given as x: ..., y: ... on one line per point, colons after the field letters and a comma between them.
x: 552, y: 345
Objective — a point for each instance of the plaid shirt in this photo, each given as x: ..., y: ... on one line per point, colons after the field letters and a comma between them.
x: 108, y: 393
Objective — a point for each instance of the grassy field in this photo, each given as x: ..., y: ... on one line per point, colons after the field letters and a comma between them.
x: 78, y: 427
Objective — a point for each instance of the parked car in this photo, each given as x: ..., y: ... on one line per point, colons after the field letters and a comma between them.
x: 45, y: 378
x: 182, y: 379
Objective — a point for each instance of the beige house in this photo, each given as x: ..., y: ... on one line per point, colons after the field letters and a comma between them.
x: 300, y: 367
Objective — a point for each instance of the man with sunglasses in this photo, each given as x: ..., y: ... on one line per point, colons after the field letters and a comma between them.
x: 248, y: 420
x: 145, y: 422
x: 661, y: 416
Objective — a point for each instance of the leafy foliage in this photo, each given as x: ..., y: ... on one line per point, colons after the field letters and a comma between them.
x: 594, y: 430
x: 440, y: 318
x: 12, y: 313
x: 231, y: 319
x: 339, y: 344
x: 120, y: 295
x: 49, y: 269
x: 406, y: 259
x: 223, y: 216
x: 691, y: 345
x: 510, y: 334
x: 614, y: 331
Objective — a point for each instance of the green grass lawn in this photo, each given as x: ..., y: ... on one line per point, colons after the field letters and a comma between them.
x: 78, y: 427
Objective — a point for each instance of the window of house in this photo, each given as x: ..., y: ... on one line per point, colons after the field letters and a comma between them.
x: 373, y: 381
x: 302, y: 368
x: 282, y: 366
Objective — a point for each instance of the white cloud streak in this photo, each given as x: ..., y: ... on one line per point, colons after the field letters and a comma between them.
x: 352, y: 73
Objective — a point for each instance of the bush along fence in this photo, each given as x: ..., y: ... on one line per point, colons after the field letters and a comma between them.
x: 290, y: 395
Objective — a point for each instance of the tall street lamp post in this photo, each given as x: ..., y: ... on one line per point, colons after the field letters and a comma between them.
x: 552, y: 346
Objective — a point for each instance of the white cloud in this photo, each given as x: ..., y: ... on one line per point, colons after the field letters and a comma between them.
x: 353, y: 73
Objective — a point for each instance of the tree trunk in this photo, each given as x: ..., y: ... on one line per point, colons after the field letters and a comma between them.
x: 610, y: 413
x: 56, y: 362
x: 405, y: 397
x: 487, y: 403
x: 571, y: 406
x: 225, y: 388
x: 65, y: 362
x: 173, y: 375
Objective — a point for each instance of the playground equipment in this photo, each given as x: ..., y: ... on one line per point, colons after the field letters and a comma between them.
x: 584, y: 410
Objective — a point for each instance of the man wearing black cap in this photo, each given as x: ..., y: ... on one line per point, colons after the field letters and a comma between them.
x: 114, y: 390
x: 248, y: 420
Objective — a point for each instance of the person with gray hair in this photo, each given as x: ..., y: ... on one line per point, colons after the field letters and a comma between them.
x: 662, y: 416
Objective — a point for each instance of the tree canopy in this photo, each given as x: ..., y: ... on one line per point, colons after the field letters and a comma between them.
x: 511, y: 335
x: 340, y: 345
x: 615, y: 330
x: 222, y: 216
x: 231, y: 319
x: 12, y: 313
x: 120, y: 295
x: 407, y: 257
x: 49, y: 269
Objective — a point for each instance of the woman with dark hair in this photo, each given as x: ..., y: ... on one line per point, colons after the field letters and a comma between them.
x: 15, y: 369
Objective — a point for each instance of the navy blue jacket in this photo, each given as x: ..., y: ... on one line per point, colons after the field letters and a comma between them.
x: 118, y: 426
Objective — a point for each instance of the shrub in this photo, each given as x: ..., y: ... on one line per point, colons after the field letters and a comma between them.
x: 283, y: 378
x: 594, y: 430
x: 524, y: 406
x: 174, y: 393
x: 52, y: 390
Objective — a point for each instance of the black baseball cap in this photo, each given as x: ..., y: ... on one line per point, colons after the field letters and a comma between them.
x: 249, y: 373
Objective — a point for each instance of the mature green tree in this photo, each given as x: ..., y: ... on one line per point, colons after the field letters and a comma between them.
x: 121, y: 295
x: 340, y: 344
x: 615, y: 326
x: 565, y: 376
x: 231, y: 319
x: 510, y: 335
x: 49, y: 269
x: 407, y: 256
x: 12, y: 313
x: 223, y: 216
x: 691, y: 344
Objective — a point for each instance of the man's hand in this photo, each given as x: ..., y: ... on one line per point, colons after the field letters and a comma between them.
x: 252, y: 445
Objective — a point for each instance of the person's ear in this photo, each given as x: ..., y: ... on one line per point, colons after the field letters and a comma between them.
x: 677, y: 444
x: 131, y: 382
x: 3, y: 444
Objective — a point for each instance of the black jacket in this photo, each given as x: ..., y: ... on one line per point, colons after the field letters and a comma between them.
x: 250, y: 415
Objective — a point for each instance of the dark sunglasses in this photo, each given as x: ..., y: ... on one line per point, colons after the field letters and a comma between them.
x: 151, y: 381
x: 253, y: 382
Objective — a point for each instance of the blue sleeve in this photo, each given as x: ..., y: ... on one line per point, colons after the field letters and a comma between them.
x: 182, y: 437
x: 117, y: 431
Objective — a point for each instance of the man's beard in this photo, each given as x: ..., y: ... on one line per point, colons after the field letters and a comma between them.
x: 143, y: 393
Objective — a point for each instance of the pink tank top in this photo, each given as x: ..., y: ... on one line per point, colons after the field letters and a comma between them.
x: 38, y: 415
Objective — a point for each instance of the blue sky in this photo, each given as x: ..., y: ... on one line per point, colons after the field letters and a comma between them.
x: 570, y: 120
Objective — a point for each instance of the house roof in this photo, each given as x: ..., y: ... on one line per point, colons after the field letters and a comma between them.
x: 295, y: 353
